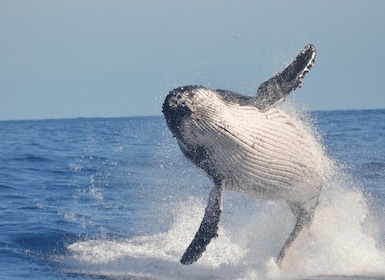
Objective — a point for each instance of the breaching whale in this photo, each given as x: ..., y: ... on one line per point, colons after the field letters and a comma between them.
x: 248, y: 145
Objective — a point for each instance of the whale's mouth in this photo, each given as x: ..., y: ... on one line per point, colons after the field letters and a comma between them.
x: 176, y: 108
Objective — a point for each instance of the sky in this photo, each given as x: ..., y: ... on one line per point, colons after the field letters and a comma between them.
x: 120, y: 58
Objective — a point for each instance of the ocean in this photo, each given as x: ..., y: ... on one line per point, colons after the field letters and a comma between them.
x: 114, y: 198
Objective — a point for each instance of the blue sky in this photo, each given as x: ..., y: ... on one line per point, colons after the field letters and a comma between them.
x: 92, y: 58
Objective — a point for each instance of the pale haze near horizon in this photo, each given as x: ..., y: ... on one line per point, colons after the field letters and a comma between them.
x: 68, y: 59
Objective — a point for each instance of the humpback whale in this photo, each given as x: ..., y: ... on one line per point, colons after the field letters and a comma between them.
x: 247, y: 144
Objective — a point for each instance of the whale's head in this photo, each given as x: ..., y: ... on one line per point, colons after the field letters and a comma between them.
x: 195, y: 107
x: 192, y: 110
x: 196, y: 115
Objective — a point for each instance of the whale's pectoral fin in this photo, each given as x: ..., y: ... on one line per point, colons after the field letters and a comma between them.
x: 303, y: 220
x: 208, y: 228
x: 278, y: 87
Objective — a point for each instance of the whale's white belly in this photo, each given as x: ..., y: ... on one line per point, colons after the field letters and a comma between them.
x: 268, y: 155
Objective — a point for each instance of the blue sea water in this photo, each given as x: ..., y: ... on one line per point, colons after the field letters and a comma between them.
x: 115, y: 199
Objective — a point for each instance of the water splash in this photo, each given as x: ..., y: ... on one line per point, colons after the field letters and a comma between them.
x: 157, y: 255
x: 343, y: 240
x: 339, y: 243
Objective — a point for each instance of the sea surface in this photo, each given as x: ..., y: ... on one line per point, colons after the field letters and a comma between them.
x: 115, y: 199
